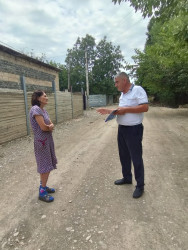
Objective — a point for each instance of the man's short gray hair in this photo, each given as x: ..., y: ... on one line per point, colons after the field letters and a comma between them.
x: 122, y: 75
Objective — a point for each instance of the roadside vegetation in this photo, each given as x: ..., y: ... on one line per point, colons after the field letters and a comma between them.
x: 161, y: 68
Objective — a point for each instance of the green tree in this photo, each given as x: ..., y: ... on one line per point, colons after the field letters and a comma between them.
x: 104, y: 61
x: 163, y: 66
x: 76, y: 61
x: 106, y: 65
x: 63, y: 75
x: 164, y: 8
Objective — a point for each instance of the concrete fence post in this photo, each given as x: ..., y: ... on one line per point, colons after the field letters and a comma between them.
x: 72, y: 103
x: 55, y: 96
x: 22, y: 80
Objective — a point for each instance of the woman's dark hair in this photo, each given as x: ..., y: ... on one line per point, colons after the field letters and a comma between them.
x: 35, y: 96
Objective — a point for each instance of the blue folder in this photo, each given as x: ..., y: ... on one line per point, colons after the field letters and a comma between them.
x: 111, y: 116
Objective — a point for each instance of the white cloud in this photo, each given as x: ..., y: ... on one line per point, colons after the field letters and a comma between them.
x: 52, y: 26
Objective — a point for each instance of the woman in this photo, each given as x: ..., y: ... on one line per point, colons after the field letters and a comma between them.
x: 43, y: 143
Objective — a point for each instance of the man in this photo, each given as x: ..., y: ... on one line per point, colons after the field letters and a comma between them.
x: 132, y: 103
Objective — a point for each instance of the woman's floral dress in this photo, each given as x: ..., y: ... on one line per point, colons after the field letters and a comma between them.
x: 43, y: 142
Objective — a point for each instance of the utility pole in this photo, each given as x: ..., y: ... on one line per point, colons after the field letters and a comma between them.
x: 87, y: 81
x: 69, y: 87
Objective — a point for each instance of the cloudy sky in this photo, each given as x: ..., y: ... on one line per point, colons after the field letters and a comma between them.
x: 50, y: 27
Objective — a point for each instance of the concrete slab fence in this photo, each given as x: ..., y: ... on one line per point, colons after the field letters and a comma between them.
x: 20, y: 75
x: 15, y: 106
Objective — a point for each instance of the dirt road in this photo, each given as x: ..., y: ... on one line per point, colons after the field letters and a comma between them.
x: 89, y: 211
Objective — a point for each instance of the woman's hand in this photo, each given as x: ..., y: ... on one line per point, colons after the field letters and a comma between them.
x: 51, y: 127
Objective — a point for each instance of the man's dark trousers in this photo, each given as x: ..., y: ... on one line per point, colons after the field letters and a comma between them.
x: 130, y: 149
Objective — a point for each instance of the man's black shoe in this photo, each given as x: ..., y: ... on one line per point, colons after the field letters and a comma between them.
x: 138, y: 192
x: 122, y: 181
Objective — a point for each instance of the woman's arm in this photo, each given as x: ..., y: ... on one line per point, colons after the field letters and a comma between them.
x: 51, y: 124
x: 40, y: 120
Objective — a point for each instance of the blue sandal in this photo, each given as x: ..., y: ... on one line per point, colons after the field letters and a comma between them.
x: 50, y: 190
x: 44, y: 196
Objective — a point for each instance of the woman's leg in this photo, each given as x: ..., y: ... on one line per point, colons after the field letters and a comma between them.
x: 44, y: 178
x: 43, y: 192
x: 43, y: 182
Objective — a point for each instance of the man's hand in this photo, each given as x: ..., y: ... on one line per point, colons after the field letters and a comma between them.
x: 120, y: 111
x: 104, y: 111
x: 136, y: 109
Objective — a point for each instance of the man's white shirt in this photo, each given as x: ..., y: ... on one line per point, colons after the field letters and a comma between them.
x: 134, y: 97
